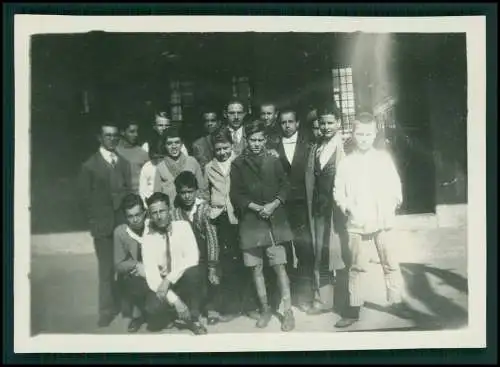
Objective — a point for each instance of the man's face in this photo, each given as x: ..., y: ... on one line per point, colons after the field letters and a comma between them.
x: 289, y: 124
x: 187, y: 196
x: 328, y: 125
x: 235, y: 115
x: 159, y: 214
x: 268, y: 114
x: 173, y: 147
x: 135, y: 217
x: 256, y: 142
x: 211, y: 122
x: 109, y: 138
x: 364, y: 136
x: 131, y: 134
x: 223, y: 151
x: 161, y: 124
x: 316, y: 130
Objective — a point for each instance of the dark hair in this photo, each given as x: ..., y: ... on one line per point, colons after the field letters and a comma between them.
x: 156, y: 146
x: 185, y: 179
x: 288, y: 110
x: 208, y: 110
x: 126, y: 123
x: 105, y: 123
x: 255, y: 126
x: 329, y: 108
x: 236, y: 101
x: 268, y: 103
x: 222, y: 135
x: 130, y: 201
x: 172, y: 132
x: 163, y: 114
x: 158, y: 197
x: 312, y: 116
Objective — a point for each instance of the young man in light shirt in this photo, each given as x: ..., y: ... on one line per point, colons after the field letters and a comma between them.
x: 148, y: 172
x: 170, y: 257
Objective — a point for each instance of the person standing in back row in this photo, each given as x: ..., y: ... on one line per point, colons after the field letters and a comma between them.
x: 203, y: 148
x: 104, y: 181
x: 162, y: 123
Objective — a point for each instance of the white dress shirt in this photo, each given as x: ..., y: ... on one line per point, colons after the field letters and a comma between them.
x: 147, y: 180
x: 327, y: 150
x: 183, y: 250
x: 236, y: 134
x: 289, y: 145
x: 108, y: 156
x: 368, y: 186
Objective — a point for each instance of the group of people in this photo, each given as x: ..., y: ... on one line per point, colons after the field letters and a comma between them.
x: 259, y: 214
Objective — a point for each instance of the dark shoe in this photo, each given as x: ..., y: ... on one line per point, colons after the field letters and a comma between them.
x: 345, y: 322
x: 317, y: 309
x: 197, y: 328
x: 265, y: 318
x: 135, y: 325
x: 212, y: 320
x: 288, y: 323
x: 255, y: 315
x: 105, y: 320
x: 401, y: 310
x: 227, y: 318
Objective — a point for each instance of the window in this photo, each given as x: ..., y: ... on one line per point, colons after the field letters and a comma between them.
x: 385, y: 114
x: 181, y: 96
x: 242, y: 90
x: 343, y: 94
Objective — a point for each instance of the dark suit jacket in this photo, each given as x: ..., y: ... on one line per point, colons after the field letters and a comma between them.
x: 203, y: 150
x: 295, y: 171
x: 126, y: 251
x: 102, y: 189
x: 260, y: 185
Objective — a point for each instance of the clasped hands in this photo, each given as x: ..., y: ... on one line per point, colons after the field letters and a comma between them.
x: 265, y: 211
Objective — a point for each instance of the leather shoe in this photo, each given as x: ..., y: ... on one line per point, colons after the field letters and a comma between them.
x: 105, y: 320
x: 265, y: 318
x: 345, y: 322
x: 401, y: 310
x: 212, y: 320
x: 135, y: 324
x: 288, y: 323
x: 197, y: 328
x: 255, y: 315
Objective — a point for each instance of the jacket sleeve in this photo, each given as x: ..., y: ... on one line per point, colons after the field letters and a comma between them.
x: 144, y: 191
x: 212, y: 240
x: 124, y: 263
x: 340, y: 186
x: 202, y: 182
x: 238, y: 193
x: 127, y: 176
x: 284, y: 182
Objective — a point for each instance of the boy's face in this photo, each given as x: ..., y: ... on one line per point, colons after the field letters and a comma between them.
x: 211, y: 122
x: 316, y: 130
x: 328, y: 126
x: 161, y: 124
x: 131, y: 134
x: 223, y: 151
x: 289, y: 124
x: 109, y: 138
x: 159, y: 214
x: 256, y: 142
x: 235, y: 115
x: 135, y: 217
x: 364, y: 135
x: 173, y: 147
x: 187, y: 196
x: 268, y: 114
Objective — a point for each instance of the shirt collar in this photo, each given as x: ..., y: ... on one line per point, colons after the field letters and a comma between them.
x: 107, y: 155
x: 291, y: 139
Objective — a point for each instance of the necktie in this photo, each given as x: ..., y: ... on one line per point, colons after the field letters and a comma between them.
x: 113, y: 160
x: 234, y: 136
x: 169, y: 255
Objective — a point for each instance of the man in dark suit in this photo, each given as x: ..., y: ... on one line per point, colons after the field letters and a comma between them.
x: 203, y: 148
x: 293, y: 150
x: 269, y: 113
x: 105, y: 179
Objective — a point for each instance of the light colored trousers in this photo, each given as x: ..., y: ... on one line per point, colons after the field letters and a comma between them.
x: 360, y: 259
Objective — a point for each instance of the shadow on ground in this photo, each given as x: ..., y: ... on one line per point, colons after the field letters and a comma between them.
x: 444, y: 313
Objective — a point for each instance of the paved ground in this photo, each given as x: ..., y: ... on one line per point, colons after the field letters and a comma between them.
x: 434, y: 265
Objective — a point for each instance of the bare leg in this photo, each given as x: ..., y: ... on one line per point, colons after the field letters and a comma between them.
x: 260, y: 285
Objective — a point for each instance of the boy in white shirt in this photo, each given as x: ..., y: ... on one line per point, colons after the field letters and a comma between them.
x: 148, y: 171
x: 368, y: 191
x: 170, y: 256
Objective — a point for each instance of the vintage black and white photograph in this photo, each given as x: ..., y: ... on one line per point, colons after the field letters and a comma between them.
x: 211, y: 181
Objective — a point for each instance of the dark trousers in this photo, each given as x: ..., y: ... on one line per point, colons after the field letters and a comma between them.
x: 236, y: 292
x: 189, y: 288
x: 301, y: 278
x: 107, y: 286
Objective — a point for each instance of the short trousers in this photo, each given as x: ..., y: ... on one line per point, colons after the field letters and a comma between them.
x: 276, y: 255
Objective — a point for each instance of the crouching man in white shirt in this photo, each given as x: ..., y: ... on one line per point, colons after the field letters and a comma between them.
x: 170, y: 257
